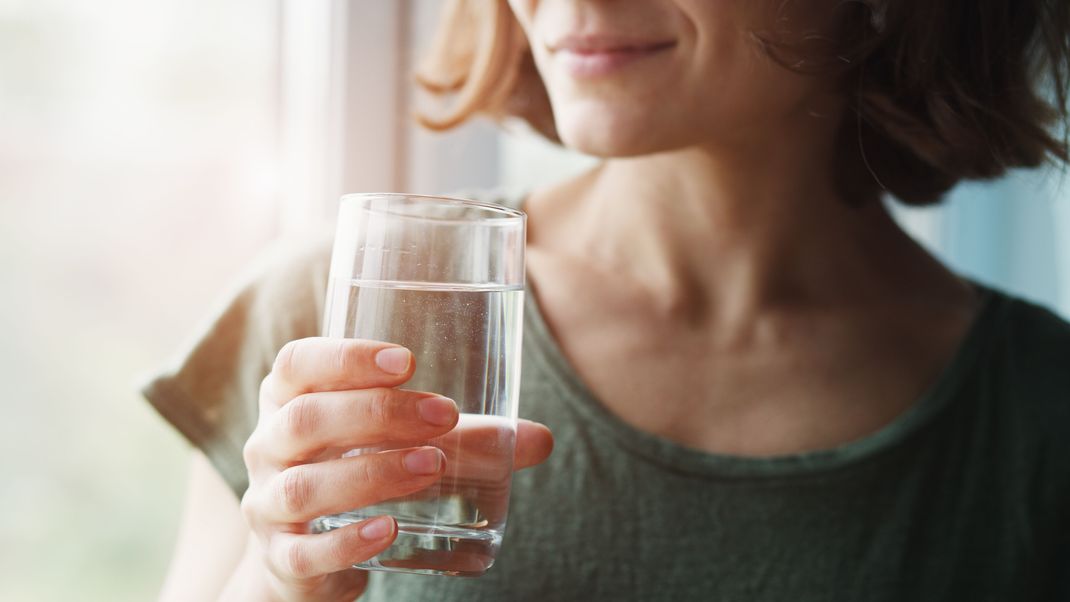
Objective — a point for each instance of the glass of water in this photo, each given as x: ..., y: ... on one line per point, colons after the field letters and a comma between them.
x: 445, y: 278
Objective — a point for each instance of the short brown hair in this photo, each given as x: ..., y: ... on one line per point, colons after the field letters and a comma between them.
x: 938, y: 90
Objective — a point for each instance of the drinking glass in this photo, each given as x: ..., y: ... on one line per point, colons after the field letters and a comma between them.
x: 445, y: 278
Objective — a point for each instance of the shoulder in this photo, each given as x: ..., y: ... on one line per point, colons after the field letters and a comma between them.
x: 209, y: 390
x: 289, y: 279
x: 290, y: 274
x: 1027, y: 375
x: 284, y: 289
x: 1035, y: 346
x: 275, y: 298
x: 293, y: 271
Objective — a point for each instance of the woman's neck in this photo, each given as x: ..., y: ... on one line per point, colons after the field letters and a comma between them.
x: 719, y: 234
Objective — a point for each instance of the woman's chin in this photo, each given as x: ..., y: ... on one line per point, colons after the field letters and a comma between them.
x: 606, y: 138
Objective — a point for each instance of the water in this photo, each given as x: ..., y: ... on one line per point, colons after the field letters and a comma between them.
x: 466, y: 341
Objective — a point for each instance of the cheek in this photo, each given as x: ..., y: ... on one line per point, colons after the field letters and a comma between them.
x: 715, y: 86
x: 736, y: 87
x: 723, y: 74
x: 668, y: 103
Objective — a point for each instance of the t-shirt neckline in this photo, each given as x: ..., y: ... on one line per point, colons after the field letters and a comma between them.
x: 678, y: 457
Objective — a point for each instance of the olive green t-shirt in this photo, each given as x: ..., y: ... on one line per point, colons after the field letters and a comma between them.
x: 966, y: 496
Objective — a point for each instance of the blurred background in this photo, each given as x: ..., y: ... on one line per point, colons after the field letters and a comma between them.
x: 148, y: 151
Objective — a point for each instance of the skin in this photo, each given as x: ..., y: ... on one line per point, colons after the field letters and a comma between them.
x: 707, y: 263
x: 322, y: 397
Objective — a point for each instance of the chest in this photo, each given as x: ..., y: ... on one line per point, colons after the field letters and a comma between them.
x: 599, y: 523
x: 778, y: 387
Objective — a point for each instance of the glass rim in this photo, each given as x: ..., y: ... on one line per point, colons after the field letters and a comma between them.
x: 504, y: 215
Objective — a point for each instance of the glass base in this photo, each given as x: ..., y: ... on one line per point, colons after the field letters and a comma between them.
x: 429, y: 550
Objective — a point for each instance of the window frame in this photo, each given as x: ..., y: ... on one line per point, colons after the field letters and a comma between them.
x: 336, y: 137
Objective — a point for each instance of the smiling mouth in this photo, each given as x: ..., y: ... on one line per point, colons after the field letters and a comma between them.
x: 596, y: 58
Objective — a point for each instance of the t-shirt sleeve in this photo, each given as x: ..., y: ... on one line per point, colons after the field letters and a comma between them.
x: 1038, y: 367
x: 210, y: 393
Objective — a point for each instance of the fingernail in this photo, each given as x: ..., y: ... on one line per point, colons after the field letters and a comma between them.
x: 377, y: 528
x: 394, y: 360
x: 423, y: 461
x: 439, y: 411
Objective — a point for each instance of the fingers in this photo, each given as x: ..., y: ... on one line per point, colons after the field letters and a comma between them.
x: 328, y: 364
x: 296, y: 557
x: 534, y: 442
x: 475, y: 446
x: 303, y: 492
x: 313, y: 422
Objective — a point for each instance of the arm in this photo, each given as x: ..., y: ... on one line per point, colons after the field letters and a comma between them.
x: 211, y: 540
x: 322, y: 397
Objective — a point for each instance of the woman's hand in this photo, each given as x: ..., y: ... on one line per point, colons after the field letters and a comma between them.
x: 323, y: 397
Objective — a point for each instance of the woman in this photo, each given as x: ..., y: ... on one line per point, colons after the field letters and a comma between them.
x: 759, y: 386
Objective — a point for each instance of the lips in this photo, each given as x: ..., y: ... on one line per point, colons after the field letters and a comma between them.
x: 594, y: 56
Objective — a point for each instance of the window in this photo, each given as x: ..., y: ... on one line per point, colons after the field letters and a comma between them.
x: 138, y: 152
x: 1011, y: 233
